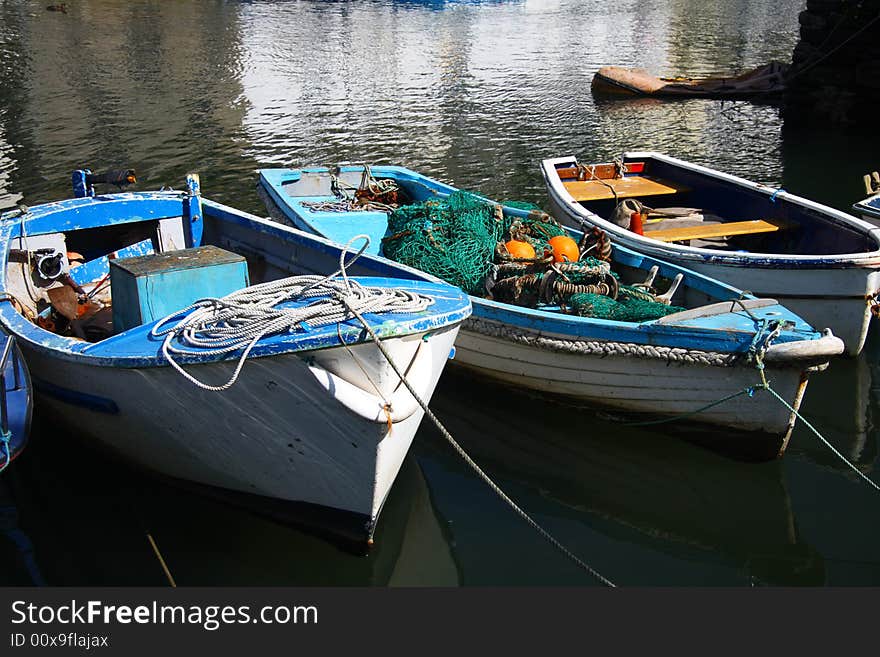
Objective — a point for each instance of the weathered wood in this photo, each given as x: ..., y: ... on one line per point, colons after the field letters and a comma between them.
x: 601, y: 171
x: 596, y: 190
x: 706, y: 231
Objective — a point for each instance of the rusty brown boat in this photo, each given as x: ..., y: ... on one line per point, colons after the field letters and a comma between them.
x: 617, y: 80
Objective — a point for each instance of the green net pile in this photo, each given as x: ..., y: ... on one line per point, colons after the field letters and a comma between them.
x: 460, y: 239
x: 453, y: 239
x: 623, y: 309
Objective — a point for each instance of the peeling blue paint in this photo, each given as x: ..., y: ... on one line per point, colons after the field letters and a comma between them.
x: 135, y: 348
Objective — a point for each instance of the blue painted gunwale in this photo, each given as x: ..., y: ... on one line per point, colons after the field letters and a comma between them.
x: 137, y: 349
x: 727, y: 333
x: 869, y: 206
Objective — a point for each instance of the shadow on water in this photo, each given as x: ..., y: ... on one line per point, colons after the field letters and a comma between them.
x: 88, y: 516
x: 650, y: 491
x: 849, y: 422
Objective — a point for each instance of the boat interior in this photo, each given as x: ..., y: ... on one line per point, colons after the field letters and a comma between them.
x: 130, y: 260
x: 692, y: 208
x: 312, y: 193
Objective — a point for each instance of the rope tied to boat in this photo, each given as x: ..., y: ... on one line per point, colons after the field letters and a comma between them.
x: 600, y: 347
x: 5, y: 439
x: 373, y: 194
x: 473, y: 465
x: 776, y: 193
x: 764, y: 336
x: 238, y: 321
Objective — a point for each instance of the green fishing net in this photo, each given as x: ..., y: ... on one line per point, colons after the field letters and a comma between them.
x: 623, y: 309
x: 453, y: 239
x: 457, y: 239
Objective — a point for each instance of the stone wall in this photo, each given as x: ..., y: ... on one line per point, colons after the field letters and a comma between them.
x: 836, y: 63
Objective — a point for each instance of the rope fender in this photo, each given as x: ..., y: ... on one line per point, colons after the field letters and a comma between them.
x: 601, y: 348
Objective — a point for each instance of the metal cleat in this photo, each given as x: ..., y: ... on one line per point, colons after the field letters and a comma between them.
x: 667, y: 297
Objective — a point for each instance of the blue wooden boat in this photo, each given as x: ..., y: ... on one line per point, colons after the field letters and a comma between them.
x: 667, y: 368
x: 822, y: 263
x: 304, y: 418
x: 15, y: 402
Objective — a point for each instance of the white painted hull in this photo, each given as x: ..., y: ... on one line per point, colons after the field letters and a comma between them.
x: 642, y: 385
x: 826, y: 298
x: 277, y: 433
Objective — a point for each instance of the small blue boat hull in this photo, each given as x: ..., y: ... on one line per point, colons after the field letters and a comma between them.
x: 17, y: 382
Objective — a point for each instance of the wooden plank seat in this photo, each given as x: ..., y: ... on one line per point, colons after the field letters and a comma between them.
x: 707, y: 231
x: 628, y: 187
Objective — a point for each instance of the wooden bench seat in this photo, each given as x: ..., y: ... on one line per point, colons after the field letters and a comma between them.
x: 628, y: 187
x: 706, y: 231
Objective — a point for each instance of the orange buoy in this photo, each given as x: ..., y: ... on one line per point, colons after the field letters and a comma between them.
x: 520, y: 250
x: 564, y: 248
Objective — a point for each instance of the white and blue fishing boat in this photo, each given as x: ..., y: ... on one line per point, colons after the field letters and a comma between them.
x: 821, y: 263
x: 211, y: 346
x: 667, y: 367
x: 15, y: 402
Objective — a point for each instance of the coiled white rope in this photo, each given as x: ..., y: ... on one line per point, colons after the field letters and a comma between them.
x: 213, y: 327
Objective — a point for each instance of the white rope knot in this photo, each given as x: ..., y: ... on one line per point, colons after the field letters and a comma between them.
x: 214, y: 327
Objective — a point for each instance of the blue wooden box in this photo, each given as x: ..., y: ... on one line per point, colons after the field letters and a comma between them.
x: 147, y: 288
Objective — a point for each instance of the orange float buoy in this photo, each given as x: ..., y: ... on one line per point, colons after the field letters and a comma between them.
x: 520, y: 250
x: 564, y: 248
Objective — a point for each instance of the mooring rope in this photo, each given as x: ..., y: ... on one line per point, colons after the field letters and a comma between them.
x: 5, y: 438
x: 476, y: 468
x: 161, y: 560
x: 756, y: 354
x: 241, y: 319
x: 824, y: 440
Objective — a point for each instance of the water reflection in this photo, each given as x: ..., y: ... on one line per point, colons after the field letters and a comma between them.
x: 653, y: 492
x: 88, y: 516
x: 848, y: 423
x: 152, y: 87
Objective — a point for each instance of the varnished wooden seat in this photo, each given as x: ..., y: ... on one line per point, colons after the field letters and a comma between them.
x: 706, y: 231
x: 628, y: 187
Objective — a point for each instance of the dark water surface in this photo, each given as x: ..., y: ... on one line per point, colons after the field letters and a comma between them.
x: 475, y: 93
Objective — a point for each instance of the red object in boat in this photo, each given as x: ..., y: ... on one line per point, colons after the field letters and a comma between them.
x: 635, y: 223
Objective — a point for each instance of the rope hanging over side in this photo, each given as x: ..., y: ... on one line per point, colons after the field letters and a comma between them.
x: 476, y: 468
x: 5, y: 438
x: 213, y: 327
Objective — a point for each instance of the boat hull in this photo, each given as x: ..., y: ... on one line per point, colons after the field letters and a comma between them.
x: 657, y: 387
x: 869, y: 209
x: 19, y: 405
x: 620, y: 81
x: 280, y: 438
